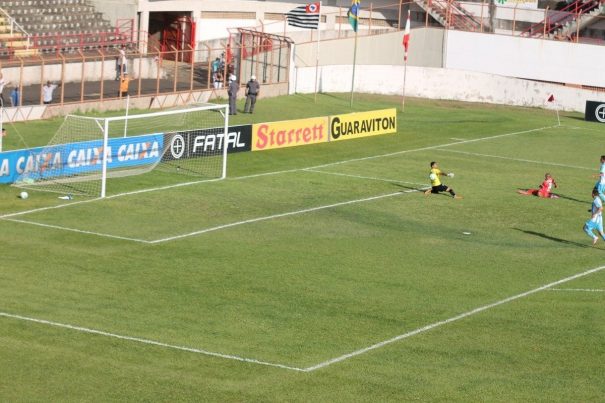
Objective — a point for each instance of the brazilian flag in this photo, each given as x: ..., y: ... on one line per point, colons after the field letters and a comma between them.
x: 353, y: 14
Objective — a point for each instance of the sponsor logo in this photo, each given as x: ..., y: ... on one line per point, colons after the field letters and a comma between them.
x: 199, y: 143
x: 595, y: 111
x: 77, y: 158
x: 363, y: 124
x: 177, y: 146
x: 600, y: 113
x: 289, y: 133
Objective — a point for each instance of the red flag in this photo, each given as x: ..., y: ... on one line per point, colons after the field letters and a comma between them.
x: 551, y: 98
x: 313, y: 8
x: 406, y: 37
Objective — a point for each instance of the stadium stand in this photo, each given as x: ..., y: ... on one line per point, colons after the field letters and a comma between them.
x: 56, y: 25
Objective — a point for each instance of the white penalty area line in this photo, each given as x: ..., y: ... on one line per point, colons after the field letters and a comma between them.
x: 147, y: 341
x: 100, y: 234
x: 316, y: 167
x: 432, y: 147
x: 281, y: 215
x: 577, y: 289
x: 314, y: 367
x: 516, y: 159
x: 363, y: 177
x: 451, y: 320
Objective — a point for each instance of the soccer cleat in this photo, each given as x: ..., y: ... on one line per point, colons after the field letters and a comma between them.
x: 458, y: 197
x: 594, y: 241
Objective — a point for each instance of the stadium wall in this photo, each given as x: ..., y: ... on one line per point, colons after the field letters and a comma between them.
x: 439, y: 83
x: 546, y: 60
x: 145, y: 67
x: 385, y: 49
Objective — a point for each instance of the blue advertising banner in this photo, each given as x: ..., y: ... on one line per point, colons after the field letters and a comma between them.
x: 82, y: 157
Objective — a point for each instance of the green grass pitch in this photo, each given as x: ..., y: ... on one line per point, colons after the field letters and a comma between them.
x: 319, y: 273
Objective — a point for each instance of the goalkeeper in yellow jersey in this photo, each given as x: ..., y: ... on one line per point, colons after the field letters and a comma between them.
x: 436, y: 185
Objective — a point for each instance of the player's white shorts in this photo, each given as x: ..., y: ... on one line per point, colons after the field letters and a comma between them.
x: 597, y: 224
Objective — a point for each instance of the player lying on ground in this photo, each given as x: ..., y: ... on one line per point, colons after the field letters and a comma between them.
x: 544, y: 189
x: 436, y: 185
x: 596, y: 218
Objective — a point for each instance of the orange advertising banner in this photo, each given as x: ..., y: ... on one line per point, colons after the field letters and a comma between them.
x: 289, y: 133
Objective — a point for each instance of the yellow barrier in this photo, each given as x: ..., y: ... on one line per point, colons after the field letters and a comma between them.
x: 290, y: 133
x: 363, y: 124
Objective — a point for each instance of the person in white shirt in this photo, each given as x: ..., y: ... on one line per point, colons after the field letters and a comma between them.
x: 2, y: 84
x: 122, y: 63
x: 47, y: 92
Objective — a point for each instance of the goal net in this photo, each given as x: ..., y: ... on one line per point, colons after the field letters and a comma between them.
x: 86, y: 152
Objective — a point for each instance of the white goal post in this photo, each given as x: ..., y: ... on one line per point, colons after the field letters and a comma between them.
x: 174, y: 145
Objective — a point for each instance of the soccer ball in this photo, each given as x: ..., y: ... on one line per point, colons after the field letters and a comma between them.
x: 23, y: 195
x: 432, y: 176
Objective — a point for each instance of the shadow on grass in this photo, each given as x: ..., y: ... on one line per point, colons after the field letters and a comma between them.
x: 552, y: 238
x: 573, y: 199
x: 560, y: 196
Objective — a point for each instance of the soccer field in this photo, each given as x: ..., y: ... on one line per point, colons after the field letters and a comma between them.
x: 320, y: 273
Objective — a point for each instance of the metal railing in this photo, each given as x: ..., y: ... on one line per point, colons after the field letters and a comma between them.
x: 94, y: 77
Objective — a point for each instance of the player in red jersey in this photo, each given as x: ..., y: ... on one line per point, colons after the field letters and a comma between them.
x: 544, y: 190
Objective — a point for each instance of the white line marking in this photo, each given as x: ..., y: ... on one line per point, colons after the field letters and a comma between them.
x: 322, y: 364
x: 584, y: 128
x: 147, y: 341
x: 432, y: 147
x: 75, y: 230
x: 48, y: 208
x: 273, y: 173
x: 518, y: 159
x: 457, y: 139
x: 450, y: 320
x: 578, y: 289
x: 363, y: 177
x: 274, y: 216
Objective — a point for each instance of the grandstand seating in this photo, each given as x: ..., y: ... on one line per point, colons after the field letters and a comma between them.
x: 64, y: 25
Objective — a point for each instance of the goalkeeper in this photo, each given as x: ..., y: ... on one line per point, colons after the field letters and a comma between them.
x: 436, y: 185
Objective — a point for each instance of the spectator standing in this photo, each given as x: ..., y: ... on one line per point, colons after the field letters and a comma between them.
x: 15, y: 98
x: 252, y: 91
x: 121, y: 63
x: 2, y: 84
x: 232, y: 92
x: 124, y: 82
x: 216, y: 65
x: 218, y: 79
x: 47, y: 92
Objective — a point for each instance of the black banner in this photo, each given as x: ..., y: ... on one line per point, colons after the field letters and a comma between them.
x: 197, y: 143
x: 595, y: 111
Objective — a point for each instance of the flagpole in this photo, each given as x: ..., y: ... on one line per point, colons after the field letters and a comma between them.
x: 317, y: 52
x: 405, y: 74
x: 406, y: 39
x: 354, y: 64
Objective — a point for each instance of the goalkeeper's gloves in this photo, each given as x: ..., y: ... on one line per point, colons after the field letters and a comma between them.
x: 451, y: 174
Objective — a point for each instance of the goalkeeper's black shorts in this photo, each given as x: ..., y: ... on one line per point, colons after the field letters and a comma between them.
x: 438, y: 188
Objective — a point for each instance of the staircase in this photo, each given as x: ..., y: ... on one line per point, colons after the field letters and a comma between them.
x: 565, y: 23
x: 583, y: 20
x: 61, y: 25
x: 14, y: 40
x: 450, y: 14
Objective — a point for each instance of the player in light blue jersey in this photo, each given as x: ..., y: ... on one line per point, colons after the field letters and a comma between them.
x: 596, y: 218
x: 600, y: 185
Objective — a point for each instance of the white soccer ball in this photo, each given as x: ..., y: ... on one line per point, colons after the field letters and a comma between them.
x: 432, y: 176
x: 23, y: 195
